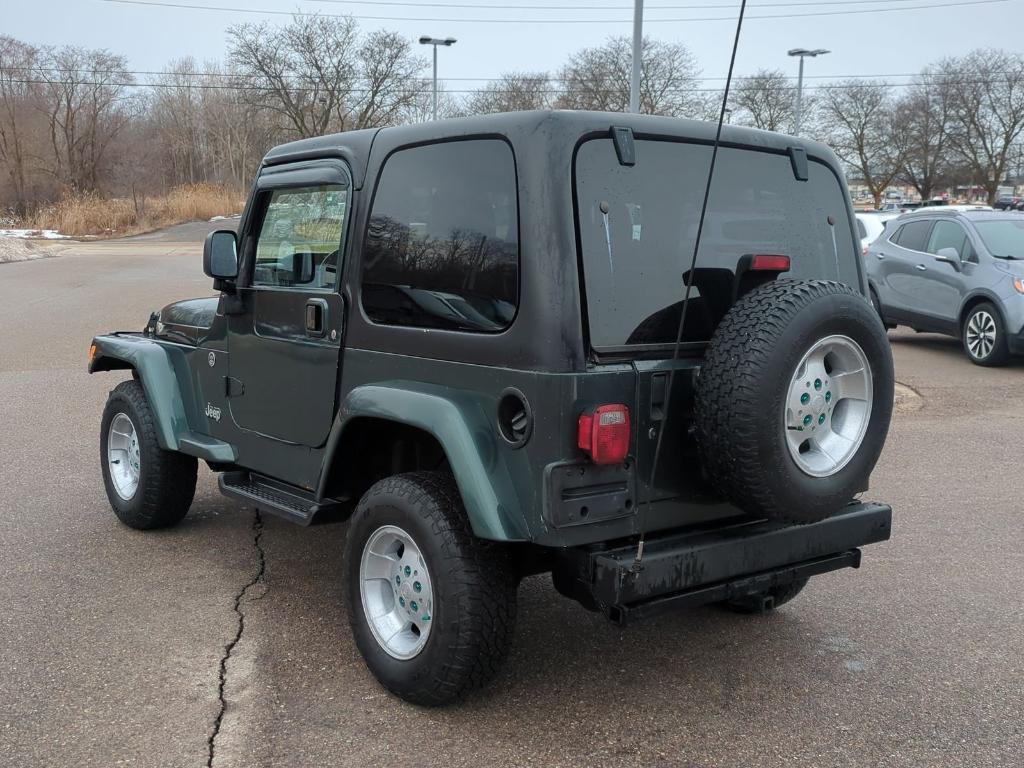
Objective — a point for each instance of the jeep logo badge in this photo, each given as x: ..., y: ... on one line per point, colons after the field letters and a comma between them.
x: 211, y: 359
x: 212, y: 411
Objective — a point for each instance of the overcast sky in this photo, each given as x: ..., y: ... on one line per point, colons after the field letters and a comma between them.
x: 862, y: 44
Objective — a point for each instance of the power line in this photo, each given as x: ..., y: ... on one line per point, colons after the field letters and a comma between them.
x: 297, y: 13
x: 549, y: 7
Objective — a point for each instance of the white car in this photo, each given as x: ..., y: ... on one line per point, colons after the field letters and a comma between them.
x: 870, y: 224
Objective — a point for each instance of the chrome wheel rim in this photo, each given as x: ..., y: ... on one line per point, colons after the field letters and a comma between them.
x: 124, y: 460
x: 396, y: 592
x: 828, y: 406
x: 981, y: 334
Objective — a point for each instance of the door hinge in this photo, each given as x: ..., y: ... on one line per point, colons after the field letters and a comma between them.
x: 233, y: 387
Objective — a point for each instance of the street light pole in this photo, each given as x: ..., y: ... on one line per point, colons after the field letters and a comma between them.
x: 802, y: 53
x: 436, y: 41
x: 638, y: 44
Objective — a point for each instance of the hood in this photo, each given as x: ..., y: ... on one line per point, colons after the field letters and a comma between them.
x: 184, y: 321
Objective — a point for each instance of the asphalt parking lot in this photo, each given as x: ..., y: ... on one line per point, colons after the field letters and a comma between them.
x: 112, y: 641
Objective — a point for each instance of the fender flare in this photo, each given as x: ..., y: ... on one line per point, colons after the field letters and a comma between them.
x: 463, y: 425
x: 161, y: 369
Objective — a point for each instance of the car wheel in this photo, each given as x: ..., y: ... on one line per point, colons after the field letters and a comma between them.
x: 794, y: 399
x: 147, y: 486
x: 767, y: 600
x: 432, y: 607
x: 984, y: 337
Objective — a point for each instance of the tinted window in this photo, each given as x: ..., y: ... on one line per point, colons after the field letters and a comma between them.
x: 300, y: 237
x: 638, y: 225
x: 442, y: 245
x: 949, y: 234
x: 913, y: 235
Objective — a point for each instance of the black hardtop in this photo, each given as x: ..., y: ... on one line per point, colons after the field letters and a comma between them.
x: 561, y: 128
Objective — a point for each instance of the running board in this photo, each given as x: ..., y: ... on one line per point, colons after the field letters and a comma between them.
x: 275, y: 497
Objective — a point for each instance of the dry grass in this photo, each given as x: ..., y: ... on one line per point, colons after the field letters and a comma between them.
x: 92, y: 214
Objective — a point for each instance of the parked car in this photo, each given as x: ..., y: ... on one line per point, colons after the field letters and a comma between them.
x: 955, y: 272
x: 463, y: 336
x: 870, y: 224
x: 1008, y: 203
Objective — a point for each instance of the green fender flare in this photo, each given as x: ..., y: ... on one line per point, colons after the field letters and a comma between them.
x: 463, y: 424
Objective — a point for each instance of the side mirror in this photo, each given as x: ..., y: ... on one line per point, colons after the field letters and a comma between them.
x: 951, y: 256
x: 220, y: 255
x: 303, y: 270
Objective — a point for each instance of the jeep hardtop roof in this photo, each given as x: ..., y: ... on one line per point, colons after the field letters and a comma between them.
x: 558, y: 129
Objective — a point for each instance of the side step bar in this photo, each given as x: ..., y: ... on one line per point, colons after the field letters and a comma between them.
x: 275, y: 497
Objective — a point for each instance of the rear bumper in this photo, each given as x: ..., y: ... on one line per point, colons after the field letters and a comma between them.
x: 702, y: 566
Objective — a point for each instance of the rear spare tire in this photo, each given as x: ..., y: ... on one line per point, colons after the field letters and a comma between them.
x: 794, y: 399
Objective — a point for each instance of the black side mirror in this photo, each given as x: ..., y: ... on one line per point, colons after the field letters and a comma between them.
x: 220, y: 255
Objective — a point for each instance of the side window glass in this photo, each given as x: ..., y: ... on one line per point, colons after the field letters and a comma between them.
x: 300, y: 238
x: 949, y: 234
x: 914, y: 235
x: 442, y: 244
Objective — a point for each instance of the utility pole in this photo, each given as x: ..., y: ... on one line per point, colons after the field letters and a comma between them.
x: 436, y: 41
x: 638, y: 44
x: 798, y: 111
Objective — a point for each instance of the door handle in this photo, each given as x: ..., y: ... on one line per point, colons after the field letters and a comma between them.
x: 316, y: 317
x: 880, y: 256
x: 922, y: 267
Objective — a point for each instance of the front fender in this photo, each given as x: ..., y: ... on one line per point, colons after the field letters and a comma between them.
x: 462, y: 423
x: 164, y: 373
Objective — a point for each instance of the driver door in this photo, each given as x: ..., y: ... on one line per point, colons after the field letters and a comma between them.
x: 284, y: 340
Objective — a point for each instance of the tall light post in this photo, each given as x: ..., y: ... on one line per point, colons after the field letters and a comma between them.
x: 802, y: 53
x: 436, y: 41
x: 638, y: 44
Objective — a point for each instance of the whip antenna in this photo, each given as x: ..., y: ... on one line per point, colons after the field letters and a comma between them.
x: 642, y: 515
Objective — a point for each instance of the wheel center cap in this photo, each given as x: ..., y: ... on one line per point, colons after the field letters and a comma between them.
x: 818, y: 402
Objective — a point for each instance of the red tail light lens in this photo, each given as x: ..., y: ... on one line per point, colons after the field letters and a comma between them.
x: 604, y: 434
x: 767, y: 262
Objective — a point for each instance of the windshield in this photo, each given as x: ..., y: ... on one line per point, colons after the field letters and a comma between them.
x: 1003, y: 237
x: 637, y: 226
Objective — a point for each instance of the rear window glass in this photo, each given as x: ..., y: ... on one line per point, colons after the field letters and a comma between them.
x: 914, y: 235
x: 637, y: 227
x: 442, y: 245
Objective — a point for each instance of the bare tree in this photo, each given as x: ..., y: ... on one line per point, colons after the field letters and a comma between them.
x: 320, y: 75
x: 858, y: 120
x: 987, y: 92
x: 512, y: 92
x: 87, y: 103
x: 921, y: 132
x: 598, y: 78
x: 18, y: 63
x: 765, y: 100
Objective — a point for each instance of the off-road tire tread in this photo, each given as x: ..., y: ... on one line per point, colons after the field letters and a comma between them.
x: 726, y: 397
x: 486, y: 586
x: 168, y: 482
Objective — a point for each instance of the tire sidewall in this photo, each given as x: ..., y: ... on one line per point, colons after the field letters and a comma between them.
x: 400, y: 674
x: 127, y: 510
x: 835, y: 314
x: 997, y: 355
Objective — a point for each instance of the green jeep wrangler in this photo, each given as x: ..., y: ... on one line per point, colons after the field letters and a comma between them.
x: 486, y: 344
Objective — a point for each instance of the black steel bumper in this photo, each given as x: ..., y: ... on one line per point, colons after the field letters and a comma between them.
x: 713, y: 564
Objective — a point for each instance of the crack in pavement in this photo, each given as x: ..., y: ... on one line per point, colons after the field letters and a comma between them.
x: 257, y: 528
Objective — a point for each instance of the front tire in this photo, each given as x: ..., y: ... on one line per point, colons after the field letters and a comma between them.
x: 147, y: 486
x: 984, y: 336
x: 432, y: 607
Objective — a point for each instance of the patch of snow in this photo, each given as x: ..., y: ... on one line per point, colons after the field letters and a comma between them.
x: 43, y: 234
x: 222, y: 218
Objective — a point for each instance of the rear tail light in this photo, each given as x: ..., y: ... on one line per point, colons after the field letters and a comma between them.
x: 864, y: 251
x: 604, y: 434
x: 767, y: 262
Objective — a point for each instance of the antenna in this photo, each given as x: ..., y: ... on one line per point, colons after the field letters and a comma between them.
x: 637, y: 563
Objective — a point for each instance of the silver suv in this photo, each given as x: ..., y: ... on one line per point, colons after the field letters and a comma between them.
x: 955, y: 272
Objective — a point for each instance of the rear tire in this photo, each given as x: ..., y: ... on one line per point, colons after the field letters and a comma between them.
x: 983, y: 335
x: 158, y: 489
x: 470, y: 586
x: 772, y: 446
